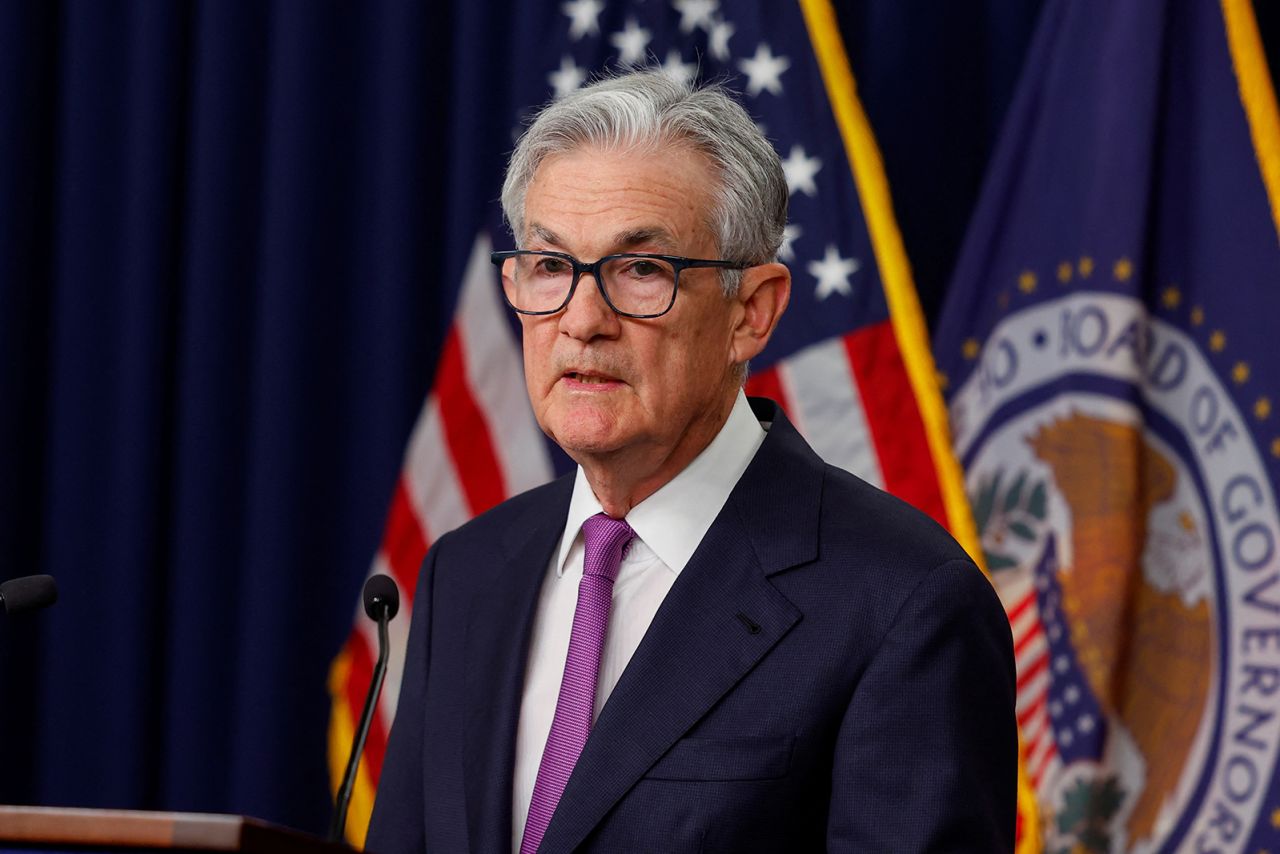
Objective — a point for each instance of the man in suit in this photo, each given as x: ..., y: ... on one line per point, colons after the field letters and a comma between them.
x: 706, y: 639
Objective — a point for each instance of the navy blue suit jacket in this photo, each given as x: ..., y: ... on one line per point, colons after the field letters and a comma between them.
x: 829, y: 671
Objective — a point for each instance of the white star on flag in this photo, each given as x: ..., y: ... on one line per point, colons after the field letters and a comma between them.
x: 787, y: 251
x: 764, y: 71
x: 695, y: 13
x: 800, y: 170
x: 567, y: 77
x: 833, y: 273
x: 631, y: 42
x: 718, y: 41
x: 681, y: 72
x: 584, y: 17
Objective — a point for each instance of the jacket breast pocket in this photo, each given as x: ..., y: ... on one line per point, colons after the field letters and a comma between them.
x: 750, y: 758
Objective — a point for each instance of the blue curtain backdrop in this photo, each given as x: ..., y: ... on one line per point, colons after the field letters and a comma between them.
x: 220, y: 308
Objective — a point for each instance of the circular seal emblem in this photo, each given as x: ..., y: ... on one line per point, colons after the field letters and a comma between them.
x: 1132, y: 534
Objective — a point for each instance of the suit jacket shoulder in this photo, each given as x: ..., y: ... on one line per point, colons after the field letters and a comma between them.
x: 869, y: 550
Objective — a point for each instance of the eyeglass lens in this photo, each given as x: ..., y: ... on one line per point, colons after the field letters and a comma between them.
x: 538, y: 282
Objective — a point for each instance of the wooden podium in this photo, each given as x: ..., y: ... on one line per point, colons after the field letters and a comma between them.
x: 84, y: 830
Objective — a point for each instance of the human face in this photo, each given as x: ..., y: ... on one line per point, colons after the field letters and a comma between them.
x: 655, y: 390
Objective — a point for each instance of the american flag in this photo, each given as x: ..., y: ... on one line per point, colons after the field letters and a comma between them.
x: 1031, y: 651
x: 850, y: 362
x: 1059, y: 716
x: 1079, y: 725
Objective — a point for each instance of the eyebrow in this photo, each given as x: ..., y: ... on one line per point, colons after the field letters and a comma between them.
x: 544, y: 234
x: 657, y: 236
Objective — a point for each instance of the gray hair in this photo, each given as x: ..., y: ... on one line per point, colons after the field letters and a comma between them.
x: 648, y: 110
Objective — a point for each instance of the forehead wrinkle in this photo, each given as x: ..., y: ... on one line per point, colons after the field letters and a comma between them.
x: 654, y: 235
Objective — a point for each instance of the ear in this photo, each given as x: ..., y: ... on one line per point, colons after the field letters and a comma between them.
x: 761, y: 299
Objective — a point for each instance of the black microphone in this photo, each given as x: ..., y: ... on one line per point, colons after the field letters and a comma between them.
x: 30, y: 593
x: 381, y: 602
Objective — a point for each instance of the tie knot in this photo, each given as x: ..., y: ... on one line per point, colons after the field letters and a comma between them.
x: 605, y: 540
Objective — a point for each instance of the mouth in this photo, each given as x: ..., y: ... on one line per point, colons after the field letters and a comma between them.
x: 589, y: 379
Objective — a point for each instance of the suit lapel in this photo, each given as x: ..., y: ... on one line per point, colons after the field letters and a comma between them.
x: 699, y: 644
x: 497, y: 645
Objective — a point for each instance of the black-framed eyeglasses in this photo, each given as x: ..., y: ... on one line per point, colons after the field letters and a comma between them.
x: 634, y: 284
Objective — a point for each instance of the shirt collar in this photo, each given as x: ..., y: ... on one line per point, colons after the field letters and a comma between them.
x: 673, y: 521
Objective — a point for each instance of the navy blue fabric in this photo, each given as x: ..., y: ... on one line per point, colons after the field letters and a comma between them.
x: 828, y: 673
x: 219, y: 311
x: 936, y: 80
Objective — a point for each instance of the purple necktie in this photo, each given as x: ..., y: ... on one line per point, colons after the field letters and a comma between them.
x: 606, y: 540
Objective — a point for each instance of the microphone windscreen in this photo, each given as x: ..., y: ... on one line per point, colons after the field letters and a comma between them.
x: 29, y: 593
x: 381, y: 590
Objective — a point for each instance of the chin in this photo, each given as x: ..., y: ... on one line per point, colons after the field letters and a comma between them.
x: 579, y: 432
x: 577, y: 439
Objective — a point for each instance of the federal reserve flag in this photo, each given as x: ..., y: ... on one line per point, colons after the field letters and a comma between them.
x: 1111, y: 352
x: 849, y: 362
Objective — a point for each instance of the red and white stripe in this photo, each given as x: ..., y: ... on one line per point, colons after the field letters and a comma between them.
x: 475, y: 444
x: 851, y: 399
x: 827, y: 408
x: 1031, y: 654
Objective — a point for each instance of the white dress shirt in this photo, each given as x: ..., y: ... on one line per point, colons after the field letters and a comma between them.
x: 669, y: 525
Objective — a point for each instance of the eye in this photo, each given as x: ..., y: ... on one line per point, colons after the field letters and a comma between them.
x: 645, y: 268
x: 549, y: 265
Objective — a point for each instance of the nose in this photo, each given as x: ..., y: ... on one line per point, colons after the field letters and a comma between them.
x: 587, y: 315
